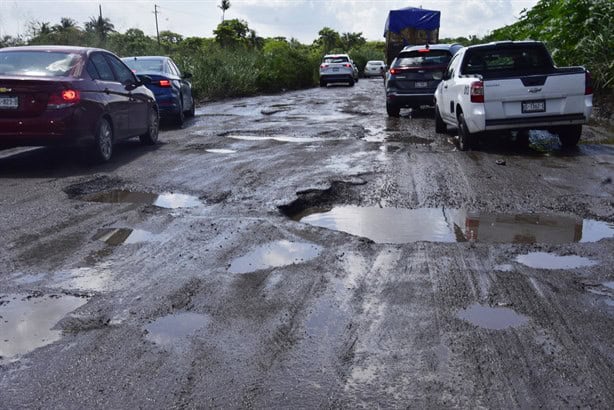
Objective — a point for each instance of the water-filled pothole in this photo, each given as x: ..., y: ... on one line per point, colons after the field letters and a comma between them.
x: 398, y: 225
x: 496, y: 318
x: 544, y: 260
x: 174, y: 331
x: 279, y: 138
x: 220, y: 151
x: 275, y: 254
x: 119, y: 236
x: 27, y: 321
x: 165, y: 200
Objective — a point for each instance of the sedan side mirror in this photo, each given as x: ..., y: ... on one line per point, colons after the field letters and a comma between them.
x: 145, y: 79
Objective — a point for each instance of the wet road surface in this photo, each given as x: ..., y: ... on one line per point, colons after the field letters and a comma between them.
x: 305, y: 250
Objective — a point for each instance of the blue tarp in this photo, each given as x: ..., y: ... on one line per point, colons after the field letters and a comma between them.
x: 412, y: 17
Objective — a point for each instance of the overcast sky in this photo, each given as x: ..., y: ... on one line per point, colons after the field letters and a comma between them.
x: 301, y: 19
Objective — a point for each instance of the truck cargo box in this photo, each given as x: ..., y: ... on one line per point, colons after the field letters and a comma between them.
x: 410, y: 26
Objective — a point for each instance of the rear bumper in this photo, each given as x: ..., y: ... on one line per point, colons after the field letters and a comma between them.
x: 53, y: 127
x: 402, y: 99
x: 331, y: 78
x: 545, y: 120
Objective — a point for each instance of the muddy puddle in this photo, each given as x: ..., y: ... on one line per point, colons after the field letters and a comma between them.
x: 174, y: 331
x: 399, y: 225
x: 275, y: 254
x: 27, y: 322
x: 221, y: 151
x: 279, y: 138
x: 165, y: 200
x: 119, y: 236
x: 495, y: 318
x: 544, y: 260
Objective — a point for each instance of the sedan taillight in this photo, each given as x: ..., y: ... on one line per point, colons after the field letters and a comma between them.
x: 324, y: 66
x: 63, y: 99
x: 164, y: 83
x: 477, y: 92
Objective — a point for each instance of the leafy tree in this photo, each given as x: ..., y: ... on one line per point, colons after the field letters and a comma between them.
x: 66, y: 23
x: 329, y: 40
x: 231, y: 33
x: 132, y: 43
x: 10, y: 41
x: 224, y: 5
x: 351, y: 40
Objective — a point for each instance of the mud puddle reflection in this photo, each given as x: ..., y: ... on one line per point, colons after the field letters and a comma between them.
x: 495, y: 318
x: 221, y: 151
x: 275, y: 254
x: 165, y: 200
x: 279, y: 138
x: 544, y: 260
x: 174, y: 331
x: 399, y: 225
x: 26, y: 322
x: 119, y: 236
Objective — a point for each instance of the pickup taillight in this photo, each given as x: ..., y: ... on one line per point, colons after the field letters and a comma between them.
x: 588, y: 83
x: 477, y: 92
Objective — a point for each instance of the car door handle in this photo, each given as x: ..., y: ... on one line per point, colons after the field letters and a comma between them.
x: 445, y: 86
x: 107, y: 91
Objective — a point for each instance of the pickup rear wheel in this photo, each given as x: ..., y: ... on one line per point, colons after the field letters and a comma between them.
x: 440, y: 126
x: 466, y: 140
x: 570, y: 135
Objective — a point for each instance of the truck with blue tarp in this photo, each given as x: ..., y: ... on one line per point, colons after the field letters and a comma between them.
x: 410, y: 26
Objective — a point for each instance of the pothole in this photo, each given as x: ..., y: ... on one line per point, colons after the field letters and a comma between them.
x: 275, y: 254
x: 165, y: 200
x: 174, y: 331
x: 400, y: 225
x: 119, y: 236
x: 544, y: 260
x: 279, y: 138
x: 495, y: 318
x: 27, y: 321
x: 221, y: 151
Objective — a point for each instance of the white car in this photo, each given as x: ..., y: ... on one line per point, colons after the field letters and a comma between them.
x: 375, y: 68
x: 512, y: 86
x: 337, y: 68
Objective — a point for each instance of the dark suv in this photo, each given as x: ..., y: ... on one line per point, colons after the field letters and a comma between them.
x: 415, y: 74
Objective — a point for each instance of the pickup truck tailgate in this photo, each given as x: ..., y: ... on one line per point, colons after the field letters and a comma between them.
x: 535, y: 96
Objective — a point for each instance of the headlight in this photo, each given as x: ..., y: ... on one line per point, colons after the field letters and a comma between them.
x: 437, y: 75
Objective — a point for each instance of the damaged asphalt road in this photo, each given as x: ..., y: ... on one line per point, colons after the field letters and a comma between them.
x: 305, y: 250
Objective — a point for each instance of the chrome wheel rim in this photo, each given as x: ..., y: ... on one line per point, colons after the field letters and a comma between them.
x: 105, y: 140
x: 153, y: 126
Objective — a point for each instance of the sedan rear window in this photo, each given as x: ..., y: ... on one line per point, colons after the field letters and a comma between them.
x: 144, y: 65
x: 423, y: 58
x: 39, y: 63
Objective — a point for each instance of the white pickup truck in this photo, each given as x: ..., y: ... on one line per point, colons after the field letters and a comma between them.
x: 512, y: 86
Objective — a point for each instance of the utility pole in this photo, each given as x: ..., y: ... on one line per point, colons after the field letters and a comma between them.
x: 100, y: 11
x: 157, y: 31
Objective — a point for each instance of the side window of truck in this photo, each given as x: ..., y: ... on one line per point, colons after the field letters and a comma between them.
x: 452, y: 66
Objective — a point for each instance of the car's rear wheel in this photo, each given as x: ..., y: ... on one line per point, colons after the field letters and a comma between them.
x: 351, y: 82
x: 192, y: 111
x: 103, y: 141
x: 153, y: 129
x: 180, y: 116
x: 393, y: 110
x: 466, y: 140
x: 570, y: 135
x: 440, y: 126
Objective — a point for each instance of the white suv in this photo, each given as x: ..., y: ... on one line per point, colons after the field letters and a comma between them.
x: 337, y: 68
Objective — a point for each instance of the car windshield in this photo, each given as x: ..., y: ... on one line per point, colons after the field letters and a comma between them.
x: 423, y: 58
x: 144, y: 65
x: 506, y: 59
x: 336, y: 59
x: 38, y: 63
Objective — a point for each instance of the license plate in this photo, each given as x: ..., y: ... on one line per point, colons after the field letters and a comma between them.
x: 10, y: 103
x: 533, y: 106
x: 421, y: 84
x: 335, y: 69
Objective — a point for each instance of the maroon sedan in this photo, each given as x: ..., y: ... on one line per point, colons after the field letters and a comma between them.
x: 72, y: 95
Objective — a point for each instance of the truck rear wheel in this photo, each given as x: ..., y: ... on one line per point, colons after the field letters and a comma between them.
x: 466, y: 140
x: 570, y: 135
x: 440, y: 126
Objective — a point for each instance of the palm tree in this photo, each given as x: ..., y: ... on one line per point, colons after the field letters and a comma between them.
x: 100, y: 26
x: 224, y: 5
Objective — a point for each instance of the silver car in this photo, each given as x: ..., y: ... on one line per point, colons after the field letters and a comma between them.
x: 375, y: 68
x: 337, y: 68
